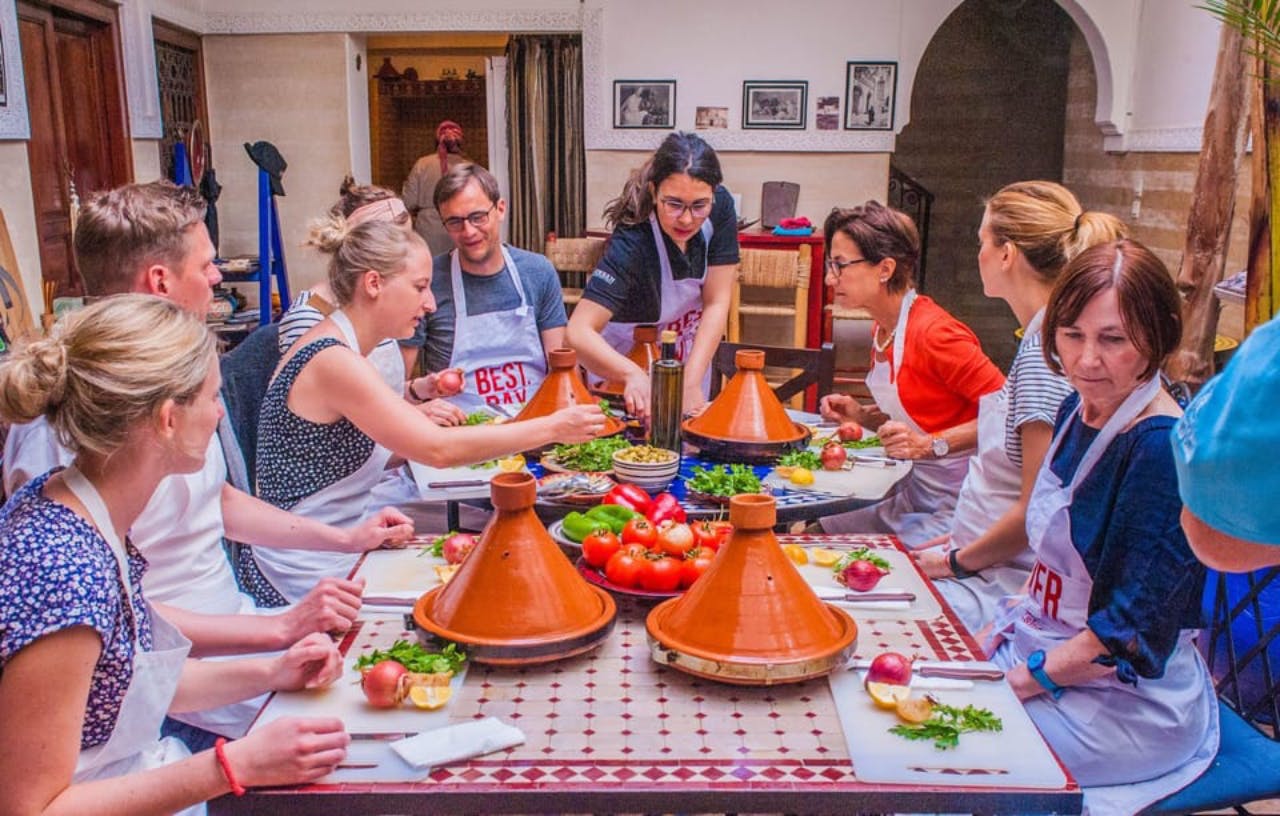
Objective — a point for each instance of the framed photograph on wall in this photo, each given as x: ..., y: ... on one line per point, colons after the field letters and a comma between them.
x: 644, y: 103
x: 774, y: 105
x: 870, y: 90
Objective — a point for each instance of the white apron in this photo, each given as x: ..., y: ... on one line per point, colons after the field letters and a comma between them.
x: 1127, y: 746
x: 342, y: 504
x: 680, y: 307
x: 135, y: 744
x: 990, y: 488
x: 501, y: 357
x: 921, y: 508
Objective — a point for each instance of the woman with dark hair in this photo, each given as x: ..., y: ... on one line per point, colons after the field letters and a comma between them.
x: 671, y: 261
x: 1100, y: 648
x: 420, y: 186
x: 928, y: 373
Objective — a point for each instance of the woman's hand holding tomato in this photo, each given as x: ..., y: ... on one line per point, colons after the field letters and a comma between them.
x: 599, y: 547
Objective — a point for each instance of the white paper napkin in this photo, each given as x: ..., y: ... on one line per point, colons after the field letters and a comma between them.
x: 458, y: 742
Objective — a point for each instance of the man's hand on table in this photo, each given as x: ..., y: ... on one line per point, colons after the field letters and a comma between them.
x: 331, y: 606
x: 387, y: 527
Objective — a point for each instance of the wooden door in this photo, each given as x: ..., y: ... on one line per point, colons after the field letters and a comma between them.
x: 78, y: 128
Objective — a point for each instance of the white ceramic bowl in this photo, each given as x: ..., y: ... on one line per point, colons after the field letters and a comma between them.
x: 653, y: 476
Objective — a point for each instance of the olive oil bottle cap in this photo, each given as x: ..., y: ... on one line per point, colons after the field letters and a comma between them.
x: 669, y: 336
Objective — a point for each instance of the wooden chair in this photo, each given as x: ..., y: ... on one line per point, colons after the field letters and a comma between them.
x: 786, y: 269
x: 809, y: 369
x: 575, y: 259
x: 1244, y: 657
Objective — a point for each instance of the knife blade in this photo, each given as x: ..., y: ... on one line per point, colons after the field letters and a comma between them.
x: 457, y: 483
x: 355, y: 766
x: 942, y: 670
x: 388, y: 600
x: 854, y: 597
x: 959, y: 771
x: 388, y: 736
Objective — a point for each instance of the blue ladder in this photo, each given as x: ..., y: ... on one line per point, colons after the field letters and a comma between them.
x: 270, y: 251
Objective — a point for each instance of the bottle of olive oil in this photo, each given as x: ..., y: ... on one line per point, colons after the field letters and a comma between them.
x: 665, y: 396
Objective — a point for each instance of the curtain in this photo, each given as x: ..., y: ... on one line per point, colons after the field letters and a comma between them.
x: 548, y: 160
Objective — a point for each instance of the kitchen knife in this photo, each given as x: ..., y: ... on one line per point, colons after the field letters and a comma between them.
x: 957, y: 671
x: 457, y: 483
x: 388, y: 736
x: 829, y: 594
x: 388, y: 600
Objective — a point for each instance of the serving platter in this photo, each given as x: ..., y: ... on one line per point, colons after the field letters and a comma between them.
x: 556, y: 530
x: 552, y: 465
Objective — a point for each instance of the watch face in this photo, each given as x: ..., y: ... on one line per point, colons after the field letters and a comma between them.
x: 940, y: 446
x: 1035, y: 661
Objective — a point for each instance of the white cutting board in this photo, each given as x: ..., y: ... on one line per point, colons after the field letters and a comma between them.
x: 406, y: 573
x: 902, y: 576
x: 425, y: 474
x: 1017, y: 756
x: 865, y: 481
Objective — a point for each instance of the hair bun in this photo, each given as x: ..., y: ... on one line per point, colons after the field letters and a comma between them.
x: 34, y: 378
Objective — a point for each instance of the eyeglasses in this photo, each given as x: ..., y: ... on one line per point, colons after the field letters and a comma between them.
x: 836, y: 268
x: 478, y: 219
x: 674, y: 207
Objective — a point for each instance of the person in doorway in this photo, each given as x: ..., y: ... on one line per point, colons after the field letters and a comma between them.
x: 499, y: 310
x: 634, y: 107
x: 1224, y: 447
x: 87, y: 670
x: 928, y: 373
x: 419, y: 187
x: 671, y: 261
x: 329, y: 423
x: 151, y: 239
x: 1029, y: 231
x: 1101, y: 647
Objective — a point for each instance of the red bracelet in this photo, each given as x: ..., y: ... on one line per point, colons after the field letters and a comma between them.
x: 219, y: 749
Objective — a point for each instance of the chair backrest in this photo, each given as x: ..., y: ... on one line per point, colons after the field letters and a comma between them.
x: 1242, y: 649
x: 813, y: 367
x: 786, y: 269
x: 246, y: 372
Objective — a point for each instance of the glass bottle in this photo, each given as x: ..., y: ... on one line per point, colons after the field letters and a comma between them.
x: 666, y: 395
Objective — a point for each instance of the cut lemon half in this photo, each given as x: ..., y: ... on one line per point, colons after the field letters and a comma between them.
x: 430, y: 697
x: 796, y: 553
x: 824, y: 557
x: 887, y: 695
x: 511, y: 464
x: 914, y: 709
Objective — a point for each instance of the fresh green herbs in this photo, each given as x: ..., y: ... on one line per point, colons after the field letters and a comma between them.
x: 416, y: 659
x: 800, y: 458
x: 947, y: 723
x: 859, y: 444
x: 860, y: 554
x: 729, y: 480
x: 436, y: 547
x: 606, y: 408
x: 479, y: 418
x: 595, y: 455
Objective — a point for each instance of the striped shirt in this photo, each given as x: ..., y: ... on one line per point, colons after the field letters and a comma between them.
x: 1035, y: 392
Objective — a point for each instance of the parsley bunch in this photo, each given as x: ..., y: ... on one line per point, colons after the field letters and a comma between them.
x: 948, y: 723
x: 860, y: 554
x: 416, y: 659
x: 594, y: 455
x: 800, y: 458
x: 729, y: 480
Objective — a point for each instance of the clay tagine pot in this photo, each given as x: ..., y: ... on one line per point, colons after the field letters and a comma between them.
x: 746, y: 422
x: 516, y: 600
x: 562, y: 388
x: 752, y: 619
x: 644, y: 351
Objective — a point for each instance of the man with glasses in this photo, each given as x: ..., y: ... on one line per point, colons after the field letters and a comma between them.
x: 498, y: 308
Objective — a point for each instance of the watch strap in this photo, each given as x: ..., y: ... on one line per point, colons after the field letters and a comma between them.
x: 957, y: 570
x: 1035, y: 665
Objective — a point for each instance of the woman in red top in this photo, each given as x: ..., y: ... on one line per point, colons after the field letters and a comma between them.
x: 928, y: 372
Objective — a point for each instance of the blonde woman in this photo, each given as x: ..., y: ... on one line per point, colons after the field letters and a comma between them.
x: 87, y: 671
x: 329, y: 423
x: 1029, y: 231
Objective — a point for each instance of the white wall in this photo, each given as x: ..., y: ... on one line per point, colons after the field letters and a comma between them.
x: 358, y: 108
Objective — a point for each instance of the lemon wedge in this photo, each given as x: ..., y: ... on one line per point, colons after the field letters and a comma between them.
x: 784, y: 471
x: 511, y: 464
x: 430, y: 697
x: 887, y: 695
x: 824, y: 557
x: 796, y: 553
x: 801, y: 476
x: 914, y: 709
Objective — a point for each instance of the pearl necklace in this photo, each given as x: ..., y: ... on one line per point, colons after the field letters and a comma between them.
x: 888, y: 341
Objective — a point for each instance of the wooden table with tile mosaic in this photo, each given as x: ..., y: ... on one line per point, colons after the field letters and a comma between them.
x: 614, y: 732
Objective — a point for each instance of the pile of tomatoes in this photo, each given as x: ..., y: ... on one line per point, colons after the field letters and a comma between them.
x: 663, y: 557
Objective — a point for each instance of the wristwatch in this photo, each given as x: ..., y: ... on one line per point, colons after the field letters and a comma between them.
x: 939, y: 447
x: 957, y: 571
x: 1035, y: 665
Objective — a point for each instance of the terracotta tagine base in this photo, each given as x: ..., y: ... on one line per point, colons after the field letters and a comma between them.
x: 517, y: 600
x: 562, y: 388
x: 644, y: 351
x: 746, y: 422
x: 751, y: 619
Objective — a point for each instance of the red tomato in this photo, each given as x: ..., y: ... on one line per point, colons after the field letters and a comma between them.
x: 599, y: 547
x: 711, y: 535
x: 674, y: 538
x: 695, y: 563
x: 639, y: 530
x: 624, y: 569
x: 638, y: 550
x: 662, y: 574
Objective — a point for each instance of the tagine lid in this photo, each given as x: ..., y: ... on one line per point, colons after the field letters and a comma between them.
x: 644, y: 350
x: 752, y: 611
x: 746, y: 410
x: 517, y: 592
x: 562, y: 388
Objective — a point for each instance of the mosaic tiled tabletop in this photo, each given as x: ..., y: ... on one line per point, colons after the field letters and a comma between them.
x: 612, y: 731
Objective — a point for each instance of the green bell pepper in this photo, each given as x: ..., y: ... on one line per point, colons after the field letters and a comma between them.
x: 616, y: 516
x: 578, y: 526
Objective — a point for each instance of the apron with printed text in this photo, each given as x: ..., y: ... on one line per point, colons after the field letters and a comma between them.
x: 500, y: 353
x: 1120, y: 742
x: 135, y: 744
x: 680, y: 305
x: 343, y: 503
x: 922, y: 506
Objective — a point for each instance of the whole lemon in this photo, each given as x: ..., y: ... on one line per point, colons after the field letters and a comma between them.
x: 801, y: 476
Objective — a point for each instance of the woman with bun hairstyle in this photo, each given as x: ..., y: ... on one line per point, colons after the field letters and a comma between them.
x: 329, y: 424
x: 87, y: 670
x: 671, y: 261
x: 1029, y: 231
